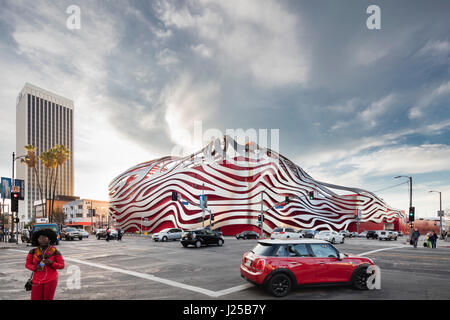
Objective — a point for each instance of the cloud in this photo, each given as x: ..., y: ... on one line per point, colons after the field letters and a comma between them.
x: 427, y: 99
x: 262, y: 41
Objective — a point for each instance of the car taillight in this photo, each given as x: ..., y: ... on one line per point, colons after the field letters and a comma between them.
x: 282, y: 232
x: 260, y: 264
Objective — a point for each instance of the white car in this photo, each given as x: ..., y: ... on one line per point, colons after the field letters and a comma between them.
x: 168, y: 234
x: 387, y: 235
x: 285, y: 233
x: 330, y: 236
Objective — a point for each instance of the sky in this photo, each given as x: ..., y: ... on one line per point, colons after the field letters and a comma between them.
x: 352, y: 105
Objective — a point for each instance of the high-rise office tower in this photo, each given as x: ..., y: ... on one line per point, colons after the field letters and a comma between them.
x: 43, y: 119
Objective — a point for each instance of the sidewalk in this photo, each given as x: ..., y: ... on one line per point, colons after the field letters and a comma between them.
x: 7, y: 245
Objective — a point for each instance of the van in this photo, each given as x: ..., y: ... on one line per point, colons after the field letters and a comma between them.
x: 52, y: 226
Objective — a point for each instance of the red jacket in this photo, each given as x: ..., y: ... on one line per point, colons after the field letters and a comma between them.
x: 49, y: 273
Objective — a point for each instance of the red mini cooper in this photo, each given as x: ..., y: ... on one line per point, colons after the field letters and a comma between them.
x: 279, y: 265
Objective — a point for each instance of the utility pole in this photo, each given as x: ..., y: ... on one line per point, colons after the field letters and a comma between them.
x: 410, y: 203
x: 440, y: 213
x: 262, y: 215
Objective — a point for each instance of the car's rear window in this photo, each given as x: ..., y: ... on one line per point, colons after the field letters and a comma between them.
x: 278, y: 230
x: 264, y: 249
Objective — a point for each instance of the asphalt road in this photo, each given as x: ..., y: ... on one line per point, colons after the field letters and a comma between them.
x: 140, y: 269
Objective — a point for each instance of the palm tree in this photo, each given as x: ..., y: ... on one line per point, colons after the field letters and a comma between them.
x: 48, y: 159
x: 31, y: 161
x: 61, y: 154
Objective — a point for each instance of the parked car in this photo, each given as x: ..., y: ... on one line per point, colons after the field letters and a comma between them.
x: 101, y: 234
x: 247, y: 235
x: 362, y: 234
x: 345, y: 233
x: 330, y: 236
x: 387, y: 235
x: 400, y: 234
x: 71, y: 234
x: 371, y: 234
x: 285, y: 233
x: 201, y: 237
x: 168, y: 234
x: 280, y: 265
x: 306, y: 233
x: 52, y: 226
x: 25, y: 236
x: 354, y: 234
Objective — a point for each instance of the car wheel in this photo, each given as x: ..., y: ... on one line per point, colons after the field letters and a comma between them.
x: 359, y: 278
x: 98, y: 238
x: 333, y: 241
x: 81, y: 238
x: 220, y: 242
x: 164, y: 239
x: 184, y: 245
x: 279, y: 285
x: 342, y: 240
x: 198, y: 244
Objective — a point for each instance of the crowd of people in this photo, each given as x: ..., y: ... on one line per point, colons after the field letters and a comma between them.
x: 430, y: 239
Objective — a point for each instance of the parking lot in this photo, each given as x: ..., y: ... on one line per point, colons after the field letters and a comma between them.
x: 138, y: 268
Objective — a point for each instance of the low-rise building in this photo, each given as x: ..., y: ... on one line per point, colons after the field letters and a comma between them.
x: 87, y: 214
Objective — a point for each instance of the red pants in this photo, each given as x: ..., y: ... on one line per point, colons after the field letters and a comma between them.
x: 44, y: 291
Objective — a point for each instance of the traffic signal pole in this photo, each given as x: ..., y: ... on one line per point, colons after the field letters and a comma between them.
x: 12, y: 238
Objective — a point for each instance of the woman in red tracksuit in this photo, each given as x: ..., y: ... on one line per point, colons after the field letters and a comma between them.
x: 44, y: 261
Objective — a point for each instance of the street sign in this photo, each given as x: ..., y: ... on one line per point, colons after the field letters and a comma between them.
x: 185, y: 203
x: 440, y: 213
x: 279, y: 207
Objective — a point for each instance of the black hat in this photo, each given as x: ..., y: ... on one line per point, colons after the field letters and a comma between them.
x: 49, y: 233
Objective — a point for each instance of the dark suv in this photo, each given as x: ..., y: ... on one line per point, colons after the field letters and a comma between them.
x: 201, y: 237
x: 372, y: 235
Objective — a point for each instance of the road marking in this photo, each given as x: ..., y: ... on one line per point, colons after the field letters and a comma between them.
x: 384, y: 249
x: 207, y: 292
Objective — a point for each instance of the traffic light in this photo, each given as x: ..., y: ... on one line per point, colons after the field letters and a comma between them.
x: 411, y: 214
x: 286, y: 200
x: 15, y: 201
x: 174, y: 196
x: 311, y: 195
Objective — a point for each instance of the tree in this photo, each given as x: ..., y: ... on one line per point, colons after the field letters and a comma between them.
x: 61, y: 154
x: 32, y: 161
x: 48, y: 159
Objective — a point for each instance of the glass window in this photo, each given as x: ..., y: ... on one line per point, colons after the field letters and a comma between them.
x: 264, y: 249
x: 298, y: 250
x: 278, y: 230
x: 281, y: 252
x: 323, y: 250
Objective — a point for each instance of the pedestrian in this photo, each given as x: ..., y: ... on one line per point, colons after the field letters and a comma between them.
x: 433, y: 238
x: 108, y: 232
x: 1, y: 235
x: 415, y: 237
x: 44, y: 261
x: 428, y: 240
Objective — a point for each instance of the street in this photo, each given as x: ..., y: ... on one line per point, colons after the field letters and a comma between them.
x: 138, y: 268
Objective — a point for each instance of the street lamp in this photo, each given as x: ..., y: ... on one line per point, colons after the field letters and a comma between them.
x: 440, y: 210
x: 410, y: 196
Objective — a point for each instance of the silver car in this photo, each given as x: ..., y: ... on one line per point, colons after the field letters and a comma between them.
x: 168, y: 234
